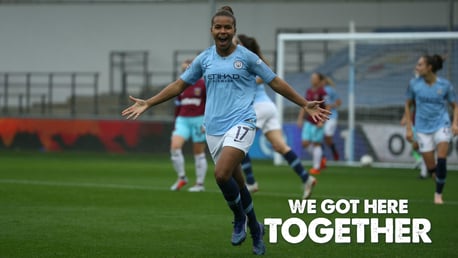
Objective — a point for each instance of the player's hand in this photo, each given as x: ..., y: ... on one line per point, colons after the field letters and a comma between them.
x: 317, y: 113
x: 136, y: 109
x: 409, y: 134
x: 403, y: 121
x: 455, y: 130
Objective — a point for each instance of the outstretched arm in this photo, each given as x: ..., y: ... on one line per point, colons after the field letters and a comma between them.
x: 408, y: 120
x: 337, y: 103
x: 140, y: 105
x: 455, y: 118
x: 311, y: 107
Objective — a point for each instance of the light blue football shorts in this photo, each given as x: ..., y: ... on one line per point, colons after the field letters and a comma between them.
x: 190, y: 128
x: 312, y: 133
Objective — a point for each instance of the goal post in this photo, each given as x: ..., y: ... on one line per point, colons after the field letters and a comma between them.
x: 371, y: 71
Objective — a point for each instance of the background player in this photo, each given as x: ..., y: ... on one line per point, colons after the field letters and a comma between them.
x: 268, y: 122
x: 230, y: 74
x: 313, y: 131
x: 431, y: 93
x: 189, y: 119
x: 415, y: 152
x: 330, y: 126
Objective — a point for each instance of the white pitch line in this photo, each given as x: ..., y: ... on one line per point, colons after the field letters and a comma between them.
x: 151, y: 188
x: 91, y: 185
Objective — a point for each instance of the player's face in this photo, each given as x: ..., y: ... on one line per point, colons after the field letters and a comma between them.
x: 422, y: 68
x: 315, y: 80
x: 223, y: 32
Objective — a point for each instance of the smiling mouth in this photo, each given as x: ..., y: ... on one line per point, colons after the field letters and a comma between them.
x: 223, y: 40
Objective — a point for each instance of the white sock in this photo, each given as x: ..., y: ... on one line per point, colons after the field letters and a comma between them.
x: 317, y: 154
x: 309, y: 149
x: 201, y: 167
x: 423, y: 169
x: 178, y: 162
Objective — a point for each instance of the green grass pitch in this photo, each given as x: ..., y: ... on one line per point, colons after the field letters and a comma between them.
x: 113, y: 205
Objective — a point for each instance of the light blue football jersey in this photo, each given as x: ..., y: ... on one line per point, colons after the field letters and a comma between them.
x: 231, y: 86
x: 431, y: 103
x: 261, y: 94
x: 331, y: 98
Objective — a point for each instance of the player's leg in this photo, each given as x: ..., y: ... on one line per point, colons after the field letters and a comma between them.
x: 419, y: 162
x: 306, y: 137
x: 265, y: 112
x: 307, y: 144
x: 200, y: 160
x: 442, y: 137
x: 237, y: 143
x: 227, y: 184
x: 423, y: 169
x: 228, y: 161
x: 441, y: 170
x: 426, y: 143
x: 178, y: 162
x: 201, y: 166
x: 317, y: 157
x: 430, y: 161
x: 227, y: 152
x: 416, y: 154
x: 275, y: 137
x: 256, y: 228
x: 427, y: 149
x: 273, y: 132
x: 179, y: 136
x: 247, y: 168
x: 330, y: 127
x: 415, y: 151
x: 317, y: 136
